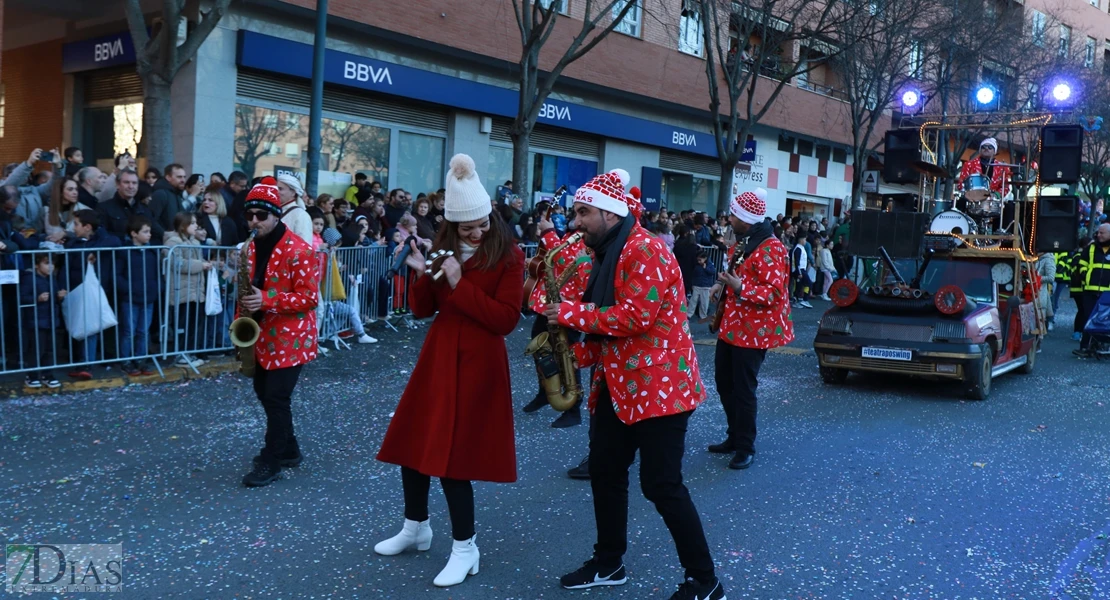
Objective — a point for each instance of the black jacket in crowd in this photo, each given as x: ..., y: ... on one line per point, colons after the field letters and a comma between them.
x: 165, y: 202
x: 116, y: 212
x: 229, y: 230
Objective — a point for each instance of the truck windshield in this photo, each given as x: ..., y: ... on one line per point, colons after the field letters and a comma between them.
x: 974, y: 278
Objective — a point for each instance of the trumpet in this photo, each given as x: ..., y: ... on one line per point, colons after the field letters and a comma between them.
x: 430, y: 262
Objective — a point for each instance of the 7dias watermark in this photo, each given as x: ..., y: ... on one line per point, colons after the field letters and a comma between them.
x: 59, y: 568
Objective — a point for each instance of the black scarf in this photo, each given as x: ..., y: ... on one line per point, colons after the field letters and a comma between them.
x: 757, y: 235
x: 263, y: 248
x: 607, y: 253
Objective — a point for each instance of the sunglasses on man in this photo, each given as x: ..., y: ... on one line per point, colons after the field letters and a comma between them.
x: 257, y: 215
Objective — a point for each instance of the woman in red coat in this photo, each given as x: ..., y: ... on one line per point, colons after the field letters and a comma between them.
x: 455, y: 418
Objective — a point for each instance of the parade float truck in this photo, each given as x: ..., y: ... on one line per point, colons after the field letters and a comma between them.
x: 968, y: 315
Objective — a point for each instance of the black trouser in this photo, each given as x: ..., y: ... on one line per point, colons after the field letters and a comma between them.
x: 460, y: 501
x: 736, y: 371
x: 1086, y: 306
x: 38, y: 352
x: 661, y: 442
x: 275, y: 392
x: 539, y: 325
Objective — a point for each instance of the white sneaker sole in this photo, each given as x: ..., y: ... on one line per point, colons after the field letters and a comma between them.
x: 596, y: 584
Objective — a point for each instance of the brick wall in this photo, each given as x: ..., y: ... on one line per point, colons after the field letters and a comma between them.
x: 33, y: 94
x: 651, y: 67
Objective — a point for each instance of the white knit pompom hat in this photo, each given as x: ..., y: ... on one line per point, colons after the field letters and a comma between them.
x: 465, y: 198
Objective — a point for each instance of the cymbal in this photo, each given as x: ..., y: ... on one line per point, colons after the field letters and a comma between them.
x: 928, y: 168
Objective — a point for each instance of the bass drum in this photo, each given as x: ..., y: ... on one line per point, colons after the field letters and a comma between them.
x: 952, y: 221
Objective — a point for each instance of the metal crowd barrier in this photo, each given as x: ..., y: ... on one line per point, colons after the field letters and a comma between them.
x: 195, y: 322
x: 354, y: 290
x: 717, y: 258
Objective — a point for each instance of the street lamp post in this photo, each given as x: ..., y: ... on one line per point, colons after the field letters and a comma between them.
x: 317, y: 104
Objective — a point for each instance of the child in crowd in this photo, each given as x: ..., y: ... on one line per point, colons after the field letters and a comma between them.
x: 137, y: 290
x: 98, y: 243
x: 704, y: 275
x: 40, y: 294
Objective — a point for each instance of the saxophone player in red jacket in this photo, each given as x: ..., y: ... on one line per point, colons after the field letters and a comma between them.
x: 283, y: 302
x: 756, y: 318
x: 645, y: 386
x: 572, y: 257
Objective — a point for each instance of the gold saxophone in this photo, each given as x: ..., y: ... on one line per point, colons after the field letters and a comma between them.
x: 550, y: 349
x: 244, y: 331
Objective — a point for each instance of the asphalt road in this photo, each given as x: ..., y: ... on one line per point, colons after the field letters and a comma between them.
x: 882, y: 488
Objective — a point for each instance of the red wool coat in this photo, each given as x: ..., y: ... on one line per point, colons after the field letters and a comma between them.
x: 649, y: 362
x: 573, y: 255
x: 761, y: 318
x: 289, y: 297
x: 455, y: 418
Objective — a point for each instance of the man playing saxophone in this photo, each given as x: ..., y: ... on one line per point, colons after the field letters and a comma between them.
x: 283, y: 297
x: 645, y: 386
x: 571, y: 256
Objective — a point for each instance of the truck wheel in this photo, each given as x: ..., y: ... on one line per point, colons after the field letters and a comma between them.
x: 979, y: 381
x: 833, y: 376
x: 1031, y: 359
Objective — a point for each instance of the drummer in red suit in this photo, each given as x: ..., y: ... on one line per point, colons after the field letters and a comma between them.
x: 981, y: 165
x: 756, y: 319
x: 573, y: 256
x: 645, y: 385
x: 455, y: 417
x: 284, y: 286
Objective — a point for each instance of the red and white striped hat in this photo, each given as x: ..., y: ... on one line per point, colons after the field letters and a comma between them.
x: 606, y: 192
x: 750, y: 207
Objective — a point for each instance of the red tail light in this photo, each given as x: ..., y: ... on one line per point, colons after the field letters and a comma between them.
x: 844, y: 292
x: 950, y: 300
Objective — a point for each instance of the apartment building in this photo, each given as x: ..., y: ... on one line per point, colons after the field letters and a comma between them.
x: 408, y: 84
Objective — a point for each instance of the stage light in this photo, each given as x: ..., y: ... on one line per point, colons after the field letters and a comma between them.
x: 1061, y: 92
x: 985, y: 95
x: 910, y: 98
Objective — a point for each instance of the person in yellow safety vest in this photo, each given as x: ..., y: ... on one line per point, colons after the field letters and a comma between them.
x: 1094, y: 273
x: 1061, y: 283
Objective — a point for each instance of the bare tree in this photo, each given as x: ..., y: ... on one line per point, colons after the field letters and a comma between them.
x: 874, y: 70
x: 256, y: 131
x: 158, y: 59
x: 371, y: 149
x: 536, y: 20
x: 341, y: 135
x: 1095, y: 173
x: 969, y: 44
x: 750, y: 46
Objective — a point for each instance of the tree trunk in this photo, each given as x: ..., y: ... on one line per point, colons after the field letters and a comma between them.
x: 522, y: 139
x: 724, y: 193
x: 157, y: 122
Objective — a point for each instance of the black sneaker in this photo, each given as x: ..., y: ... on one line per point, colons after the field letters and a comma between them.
x: 591, y: 574
x: 582, y: 471
x: 569, y: 418
x: 285, y: 463
x: 33, y: 382
x: 693, y: 590
x: 262, y: 474
x: 537, y: 403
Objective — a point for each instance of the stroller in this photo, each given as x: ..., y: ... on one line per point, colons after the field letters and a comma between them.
x: 1098, y: 327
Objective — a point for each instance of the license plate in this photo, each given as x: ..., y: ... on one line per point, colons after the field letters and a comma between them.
x: 887, y: 353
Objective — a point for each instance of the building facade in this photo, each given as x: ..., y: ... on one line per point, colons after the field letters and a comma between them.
x: 408, y: 87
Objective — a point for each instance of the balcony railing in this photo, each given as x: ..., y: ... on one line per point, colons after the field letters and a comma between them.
x: 824, y: 90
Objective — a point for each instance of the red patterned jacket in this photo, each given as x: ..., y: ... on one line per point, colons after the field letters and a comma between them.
x: 1000, y: 176
x: 289, y: 297
x: 573, y: 255
x: 649, y: 361
x: 761, y: 317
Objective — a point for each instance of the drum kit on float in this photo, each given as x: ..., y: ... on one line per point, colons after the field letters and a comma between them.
x: 983, y: 212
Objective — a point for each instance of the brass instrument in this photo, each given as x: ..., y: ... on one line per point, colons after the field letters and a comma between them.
x: 719, y: 314
x: 550, y: 349
x: 244, y: 331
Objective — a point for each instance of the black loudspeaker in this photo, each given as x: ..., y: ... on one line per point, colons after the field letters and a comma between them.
x: 1057, y: 224
x: 900, y: 202
x: 902, y: 147
x: 901, y: 233
x: 1061, y: 153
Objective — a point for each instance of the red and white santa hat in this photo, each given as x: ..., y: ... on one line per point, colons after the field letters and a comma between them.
x: 264, y: 196
x: 633, y: 202
x: 606, y: 192
x: 750, y: 207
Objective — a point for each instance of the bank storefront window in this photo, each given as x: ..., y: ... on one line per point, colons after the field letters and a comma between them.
x: 550, y: 172
x: 420, y: 165
x: 269, y: 139
x: 500, y: 168
x: 682, y: 191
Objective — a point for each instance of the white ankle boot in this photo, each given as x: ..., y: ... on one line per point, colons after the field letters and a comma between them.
x: 415, y: 534
x: 463, y: 562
